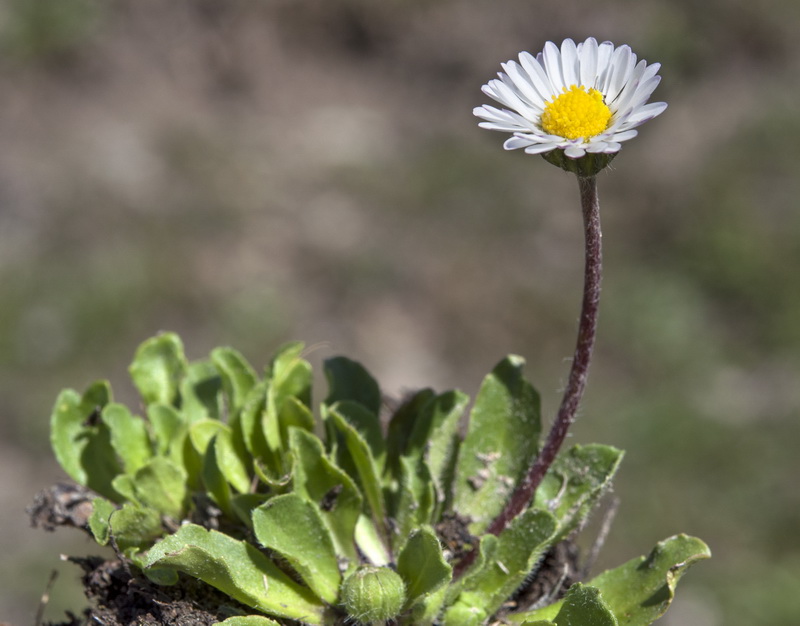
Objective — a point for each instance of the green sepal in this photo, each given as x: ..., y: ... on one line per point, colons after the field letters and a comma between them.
x: 575, y: 482
x: 501, y: 443
x: 237, y: 569
x: 349, y: 380
x: 81, y: 441
x: 422, y: 566
x: 293, y: 527
x: 158, y: 368
x: 641, y: 590
x: 129, y: 436
x: 320, y: 481
x: 590, y: 164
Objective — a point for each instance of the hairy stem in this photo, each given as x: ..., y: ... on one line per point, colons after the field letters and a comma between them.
x: 576, y: 384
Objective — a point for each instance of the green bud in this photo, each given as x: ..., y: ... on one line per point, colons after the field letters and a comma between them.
x: 373, y: 594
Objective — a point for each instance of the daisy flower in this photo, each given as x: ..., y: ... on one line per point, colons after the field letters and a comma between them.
x: 579, y: 99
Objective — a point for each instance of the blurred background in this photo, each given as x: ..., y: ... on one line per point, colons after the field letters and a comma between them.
x: 247, y: 173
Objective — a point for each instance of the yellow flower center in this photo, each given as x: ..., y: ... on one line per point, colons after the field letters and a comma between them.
x: 576, y: 113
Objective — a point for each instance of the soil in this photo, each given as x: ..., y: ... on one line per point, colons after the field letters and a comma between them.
x: 117, y: 596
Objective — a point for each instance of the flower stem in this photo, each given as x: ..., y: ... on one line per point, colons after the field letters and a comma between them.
x: 576, y: 384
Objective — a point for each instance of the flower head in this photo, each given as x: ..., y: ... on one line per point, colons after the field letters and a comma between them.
x: 580, y: 99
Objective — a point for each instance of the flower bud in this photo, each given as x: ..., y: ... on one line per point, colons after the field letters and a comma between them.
x: 373, y: 594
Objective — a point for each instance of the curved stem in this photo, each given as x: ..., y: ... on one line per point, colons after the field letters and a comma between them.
x: 576, y: 384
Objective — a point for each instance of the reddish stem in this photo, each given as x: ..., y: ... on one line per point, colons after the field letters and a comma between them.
x: 525, y: 491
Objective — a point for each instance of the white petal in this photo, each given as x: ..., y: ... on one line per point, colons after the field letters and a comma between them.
x: 597, y: 146
x: 509, y: 98
x: 538, y: 148
x: 517, y: 141
x: 539, y: 78
x: 622, y: 65
x: 605, y: 52
x: 643, y: 114
x: 523, y: 83
x: 625, y: 98
x: 569, y: 63
x: 552, y: 64
x: 588, y: 62
x: 574, y: 151
x: 624, y: 135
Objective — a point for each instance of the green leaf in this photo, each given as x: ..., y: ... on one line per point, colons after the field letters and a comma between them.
x: 82, y: 442
x: 413, y: 501
x: 294, y: 412
x: 422, y: 565
x: 135, y: 526
x: 169, y: 429
x: 202, y: 432
x: 238, y: 377
x: 577, y: 479
x: 125, y: 487
x: 293, y: 527
x: 320, y: 481
x: 214, y: 481
x: 232, y: 462
x: 201, y: 392
x: 437, y: 436
x: 99, y: 520
x: 161, y: 484
x: 248, y: 620
x: 158, y: 368
x: 244, y: 503
x: 251, y: 422
x: 582, y: 606
x: 641, y: 590
x: 368, y: 426
x: 500, y: 444
x: 487, y: 547
x: 129, y: 436
x: 366, y: 468
x: 237, y: 569
x: 348, y: 380
x: 291, y: 375
x: 519, y: 548
x: 401, y: 427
